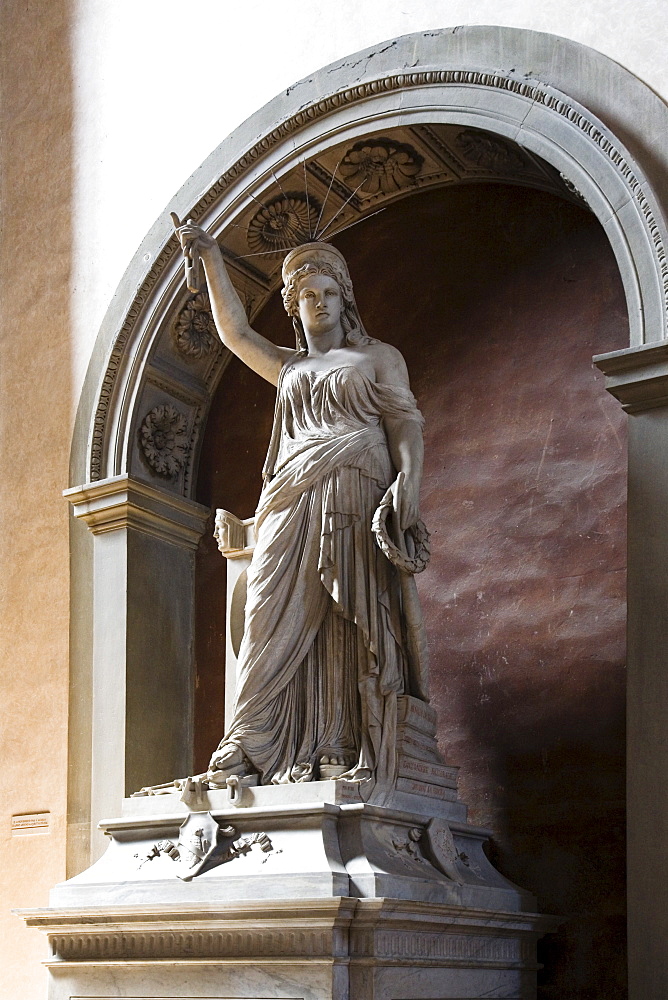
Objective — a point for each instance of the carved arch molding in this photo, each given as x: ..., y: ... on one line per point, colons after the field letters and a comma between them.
x: 424, y: 110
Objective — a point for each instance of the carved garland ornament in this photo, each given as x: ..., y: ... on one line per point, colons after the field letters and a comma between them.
x: 351, y: 95
x: 381, y: 166
x: 195, y: 333
x: 164, y: 440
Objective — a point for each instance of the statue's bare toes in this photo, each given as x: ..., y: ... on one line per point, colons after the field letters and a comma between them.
x: 325, y: 760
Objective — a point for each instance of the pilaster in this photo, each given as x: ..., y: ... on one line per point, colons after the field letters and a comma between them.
x: 638, y: 378
x: 143, y: 598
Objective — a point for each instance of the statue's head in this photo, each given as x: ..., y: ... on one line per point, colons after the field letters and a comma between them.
x: 321, y: 258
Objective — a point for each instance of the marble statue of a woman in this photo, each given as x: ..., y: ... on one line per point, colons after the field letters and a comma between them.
x: 325, y: 652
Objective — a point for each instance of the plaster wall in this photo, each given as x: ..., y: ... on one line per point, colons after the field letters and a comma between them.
x: 107, y: 107
x: 36, y: 404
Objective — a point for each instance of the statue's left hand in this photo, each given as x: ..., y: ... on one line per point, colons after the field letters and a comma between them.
x: 406, y: 501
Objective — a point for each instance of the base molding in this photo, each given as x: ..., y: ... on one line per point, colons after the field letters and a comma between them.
x: 332, y: 949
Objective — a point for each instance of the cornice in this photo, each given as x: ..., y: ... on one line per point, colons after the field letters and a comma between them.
x: 272, y: 931
x: 121, y: 502
x: 637, y: 377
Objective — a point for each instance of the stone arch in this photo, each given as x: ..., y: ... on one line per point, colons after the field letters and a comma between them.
x: 317, y: 114
x: 137, y: 494
x: 589, y: 158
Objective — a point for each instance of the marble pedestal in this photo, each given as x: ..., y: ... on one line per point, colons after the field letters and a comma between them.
x: 327, y: 890
x: 329, y: 898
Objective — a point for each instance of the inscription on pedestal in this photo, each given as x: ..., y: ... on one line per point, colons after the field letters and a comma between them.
x: 417, y: 714
x: 420, y: 788
x: 435, y: 774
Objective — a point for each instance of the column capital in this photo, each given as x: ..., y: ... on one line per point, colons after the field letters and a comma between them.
x: 637, y: 376
x: 122, y: 502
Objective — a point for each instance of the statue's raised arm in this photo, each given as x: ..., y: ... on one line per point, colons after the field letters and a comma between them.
x: 229, y: 314
x: 333, y: 632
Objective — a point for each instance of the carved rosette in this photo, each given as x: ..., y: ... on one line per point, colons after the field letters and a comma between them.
x: 488, y: 152
x: 163, y: 437
x: 195, y: 331
x: 283, y: 224
x: 381, y: 166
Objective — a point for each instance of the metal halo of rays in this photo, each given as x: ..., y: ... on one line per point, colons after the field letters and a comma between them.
x: 326, y: 199
x: 337, y: 214
x: 294, y: 217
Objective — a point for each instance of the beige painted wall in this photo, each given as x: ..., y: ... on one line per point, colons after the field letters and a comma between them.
x: 36, y: 403
x: 105, y: 112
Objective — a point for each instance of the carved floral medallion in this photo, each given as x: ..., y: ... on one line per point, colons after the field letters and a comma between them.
x: 284, y: 223
x: 164, y: 440
x: 381, y: 166
x: 195, y: 331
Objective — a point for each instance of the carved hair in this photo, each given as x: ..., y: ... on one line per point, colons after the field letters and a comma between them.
x: 350, y: 317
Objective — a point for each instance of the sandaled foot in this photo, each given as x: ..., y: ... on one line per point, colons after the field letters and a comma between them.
x: 357, y: 773
x: 227, y: 761
x: 333, y: 760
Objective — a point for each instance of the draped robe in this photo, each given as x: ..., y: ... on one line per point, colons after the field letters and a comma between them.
x: 323, y: 653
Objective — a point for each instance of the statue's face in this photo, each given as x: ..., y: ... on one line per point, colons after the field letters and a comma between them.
x: 319, y: 300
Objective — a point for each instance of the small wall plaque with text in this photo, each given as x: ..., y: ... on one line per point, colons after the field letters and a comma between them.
x: 27, y: 824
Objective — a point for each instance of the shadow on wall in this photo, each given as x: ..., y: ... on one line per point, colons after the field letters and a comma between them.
x: 498, y: 297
